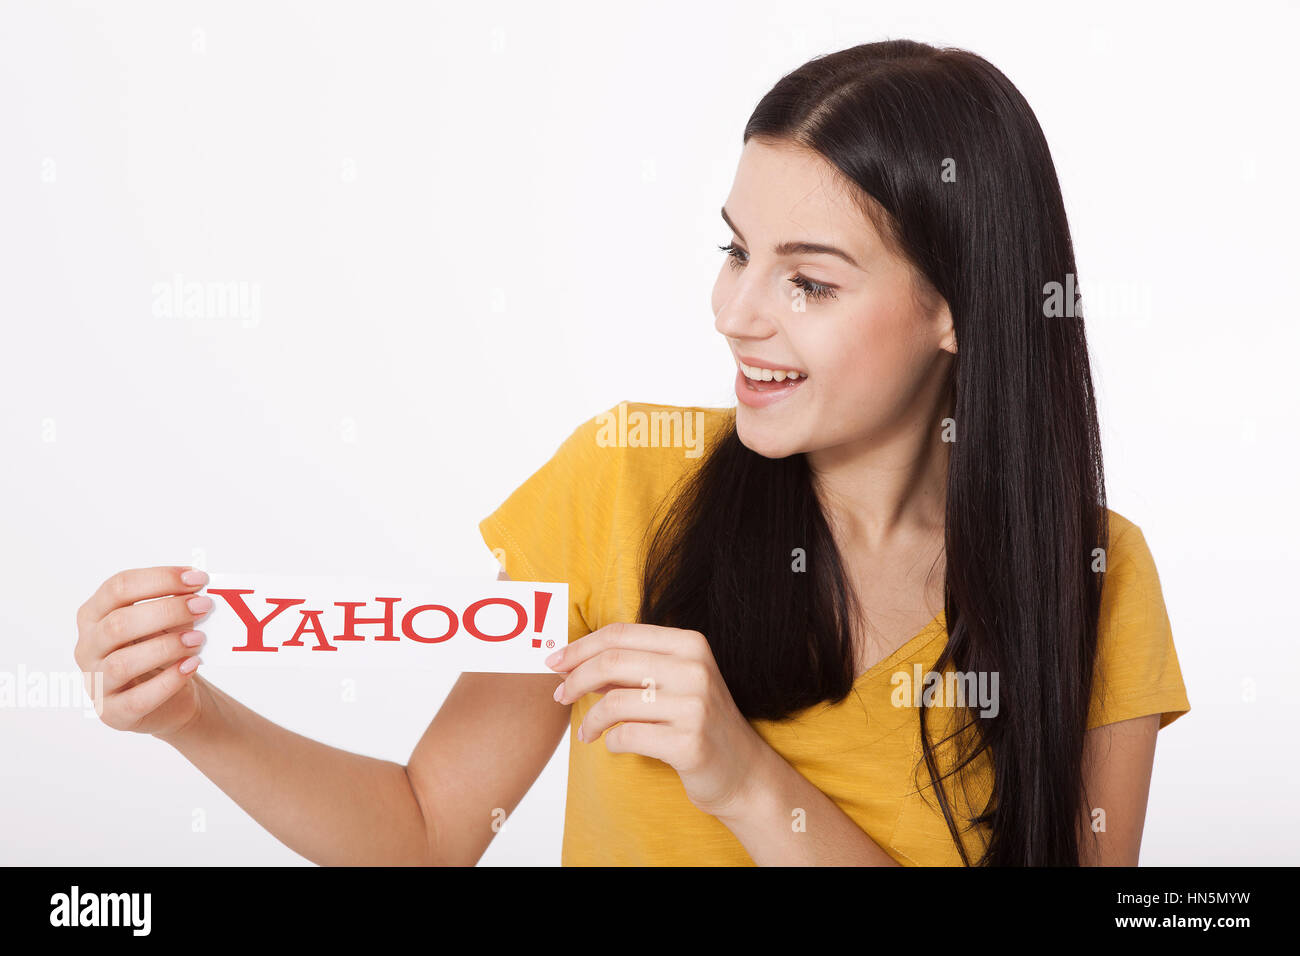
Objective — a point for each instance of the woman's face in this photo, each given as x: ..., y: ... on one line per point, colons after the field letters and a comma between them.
x: 871, y: 357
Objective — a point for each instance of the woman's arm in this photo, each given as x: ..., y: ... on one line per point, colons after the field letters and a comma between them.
x: 488, y: 742
x: 1117, y: 762
x: 485, y: 747
x: 783, y: 820
x: 1117, y: 766
x: 483, y: 750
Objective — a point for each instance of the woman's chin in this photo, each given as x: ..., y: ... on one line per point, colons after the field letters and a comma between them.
x: 765, y: 440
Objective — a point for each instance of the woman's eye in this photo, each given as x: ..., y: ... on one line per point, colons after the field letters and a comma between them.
x: 734, y: 254
x: 813, y: 290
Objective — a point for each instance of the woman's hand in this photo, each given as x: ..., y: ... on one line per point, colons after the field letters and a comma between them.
x: 662, y: 687
x: 145, y: 651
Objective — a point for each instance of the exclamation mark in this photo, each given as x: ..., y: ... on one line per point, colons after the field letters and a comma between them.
x: 541, y: 601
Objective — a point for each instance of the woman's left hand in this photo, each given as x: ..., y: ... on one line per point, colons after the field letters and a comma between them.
x: 662, y: 687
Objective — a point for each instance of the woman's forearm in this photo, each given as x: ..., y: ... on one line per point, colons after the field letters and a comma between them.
x: 783, y: 820
x: 334, y: 807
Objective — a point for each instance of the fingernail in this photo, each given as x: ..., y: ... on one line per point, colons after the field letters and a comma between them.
x: 199, y: 604
x: 190, y: 663
x: 554, y: 658
x: 559, y: 691
x: 194, y: 577
x: 192, y: 638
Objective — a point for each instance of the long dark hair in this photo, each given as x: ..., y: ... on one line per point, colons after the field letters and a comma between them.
x: 1026, y: 500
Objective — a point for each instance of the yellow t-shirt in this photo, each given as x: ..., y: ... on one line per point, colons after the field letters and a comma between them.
x: 581, y: 519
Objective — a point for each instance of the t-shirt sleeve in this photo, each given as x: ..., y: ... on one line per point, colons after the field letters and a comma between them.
x: 557, y: 525
x: 1136, y: 671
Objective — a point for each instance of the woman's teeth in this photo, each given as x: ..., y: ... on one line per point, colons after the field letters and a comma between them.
x: 769, y: 375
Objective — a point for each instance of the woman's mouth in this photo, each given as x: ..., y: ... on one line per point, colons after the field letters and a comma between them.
x: 759, y: 386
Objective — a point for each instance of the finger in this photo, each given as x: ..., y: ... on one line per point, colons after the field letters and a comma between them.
x: 128, y: 665
x: 148, y: 675
x: 185, y: 635
x: 127, y: 625
x: 144, y: 637
x: 660, y: 741
x: 144, y: 698
x: 620, y: 667
x: 138, y: 584
x: 623, y: 704
x: 640, y: 637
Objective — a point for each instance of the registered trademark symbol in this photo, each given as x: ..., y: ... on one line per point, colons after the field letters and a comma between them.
x: 550, y: 643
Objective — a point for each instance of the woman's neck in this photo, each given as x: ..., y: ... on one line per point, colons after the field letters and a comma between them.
x: 888, y: 488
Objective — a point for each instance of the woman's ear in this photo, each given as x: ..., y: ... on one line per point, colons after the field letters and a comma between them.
x: 935, y: 306
x: 947, y: 334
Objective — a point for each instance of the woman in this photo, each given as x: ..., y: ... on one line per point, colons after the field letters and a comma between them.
x: 867, y: 625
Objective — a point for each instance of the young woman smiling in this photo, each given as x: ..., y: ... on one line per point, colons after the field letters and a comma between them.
x: 911, y: 484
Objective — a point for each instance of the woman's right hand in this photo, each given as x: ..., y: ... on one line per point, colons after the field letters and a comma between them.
x: 146, y: 649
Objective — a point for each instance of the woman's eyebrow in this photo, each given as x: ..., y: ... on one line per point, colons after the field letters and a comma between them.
x: 797, y: 248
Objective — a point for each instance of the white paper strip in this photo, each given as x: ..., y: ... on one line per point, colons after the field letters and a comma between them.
x: 446, y: 624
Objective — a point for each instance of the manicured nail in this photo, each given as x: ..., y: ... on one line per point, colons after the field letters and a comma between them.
x: 559, y: 691
x: 554, y: 658
x: 199, y: 603
x: 194, y: 577
x: 190, y: 663
x: 192, y: 638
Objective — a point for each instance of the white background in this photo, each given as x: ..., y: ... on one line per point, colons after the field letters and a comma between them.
x: 474, y: 226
